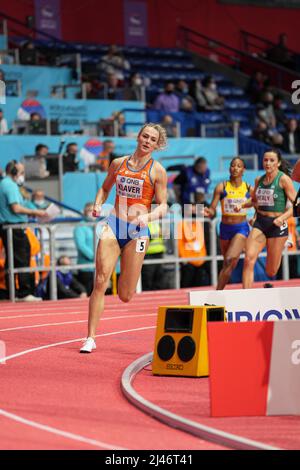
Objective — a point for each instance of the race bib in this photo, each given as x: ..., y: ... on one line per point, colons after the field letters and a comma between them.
x: 131, y: 188
x: 231, y: 203
x: 265, y: 197
x: 140, y: 245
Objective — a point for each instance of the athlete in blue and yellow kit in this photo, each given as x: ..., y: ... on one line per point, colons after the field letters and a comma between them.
x: 138, y: 179
x: 270, y: 196
x: 234, y: 228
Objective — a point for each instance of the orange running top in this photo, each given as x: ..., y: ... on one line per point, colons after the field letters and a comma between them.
x: 136, y: 186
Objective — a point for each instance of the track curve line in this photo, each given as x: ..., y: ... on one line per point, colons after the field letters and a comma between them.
x: 171, y: 419
x: 50, y: 429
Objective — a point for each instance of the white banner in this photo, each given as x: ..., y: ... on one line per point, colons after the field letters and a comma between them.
x: 253, y: 304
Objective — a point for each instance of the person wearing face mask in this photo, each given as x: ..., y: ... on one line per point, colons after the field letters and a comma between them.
x: 38, y: 199
x: 14, y: 211
x: 133, y: 91
x: 168, y: 101
x: 84, y: 241
x: 210, y: 91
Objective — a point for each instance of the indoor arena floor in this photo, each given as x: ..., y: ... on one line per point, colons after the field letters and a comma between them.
x: 52, y: 397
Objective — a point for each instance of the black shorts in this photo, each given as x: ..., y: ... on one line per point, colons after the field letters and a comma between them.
x: 270, y: 230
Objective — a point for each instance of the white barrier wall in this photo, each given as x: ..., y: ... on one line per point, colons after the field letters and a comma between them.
x: 281, y: 303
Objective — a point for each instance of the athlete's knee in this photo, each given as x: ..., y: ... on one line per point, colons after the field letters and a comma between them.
x: 230, y: 262
x: 101, y: 281
x: 249, y: 260
x: 125, y: 295
x: 271, y: 271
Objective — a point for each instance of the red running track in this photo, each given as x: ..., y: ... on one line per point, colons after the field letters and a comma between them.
x: 52, y: 397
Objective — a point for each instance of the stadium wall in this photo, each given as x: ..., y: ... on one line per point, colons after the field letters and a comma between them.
x: 101, y: 21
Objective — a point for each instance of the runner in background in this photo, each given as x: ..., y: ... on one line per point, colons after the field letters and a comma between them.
x: 234, y: 228
x: 271, y: 193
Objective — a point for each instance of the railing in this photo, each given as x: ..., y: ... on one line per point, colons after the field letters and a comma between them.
x: 255, y: 44
x: 280, y: 77
x: 174, y: 259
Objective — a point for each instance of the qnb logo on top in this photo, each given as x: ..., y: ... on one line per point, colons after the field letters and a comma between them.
x: 129, y: 187
x: 295, y: 357
x: 2, y: 352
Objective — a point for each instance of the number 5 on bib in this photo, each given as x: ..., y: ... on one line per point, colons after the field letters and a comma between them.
x: 140, y: 246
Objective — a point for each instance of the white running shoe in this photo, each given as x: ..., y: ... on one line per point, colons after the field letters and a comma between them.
x: 88, y: 346
x: 29, y: 298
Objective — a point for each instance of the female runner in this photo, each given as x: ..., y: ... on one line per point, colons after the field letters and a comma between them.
x: 234, y: 228
x: 270, y: 229
x: 138, y: 179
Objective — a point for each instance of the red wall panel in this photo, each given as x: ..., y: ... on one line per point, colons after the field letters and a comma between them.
x: 102, y: 20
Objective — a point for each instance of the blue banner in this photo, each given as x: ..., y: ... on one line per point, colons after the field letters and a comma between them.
x: 72, y: 113
x: 37, y: 78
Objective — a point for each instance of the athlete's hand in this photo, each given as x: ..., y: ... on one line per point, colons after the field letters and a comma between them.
x: 238, y: 208
x: 278, y: 221
x: 208, y: 212
x: 96, y: 210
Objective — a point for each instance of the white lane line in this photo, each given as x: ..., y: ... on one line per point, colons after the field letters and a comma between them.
x: 58, y: 432
x: 42, y: 306
x: 53, y: 430
x: 61, y: 343
x: 78, y: 321
x: 57, y: 314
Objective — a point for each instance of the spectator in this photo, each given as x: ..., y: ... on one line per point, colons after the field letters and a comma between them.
x: 2, y: 75
x: 210, y: 91
x: 13, y: 211
x: 70, y: 160
x: 190, y: 180
x: 107, y: 155
x: 268, y: 135
x: 67, y: 285
x: 91, y: 91
x: 181, y: 89
x: 187, y: 104
x: 85, y: 244
x: 3, y: 124
x: 257, y: 84
x: 114, y: 92
x: 41, y: 152
x: 265, y: 108
x: 279, y: 110
x: 167, y: 101
x: 38, y: 199
x: 291, y: 137
x: 133, y: 91
x: 261, y: 132
x: 168, y: 123
x: 153, y: 274
x: 280, y: 53
x: 196, y: 92
x: 35, y: 117
x: 191, y: 244
x: 114, y: 62
x: 28, y: 54
x: 114, y: 126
